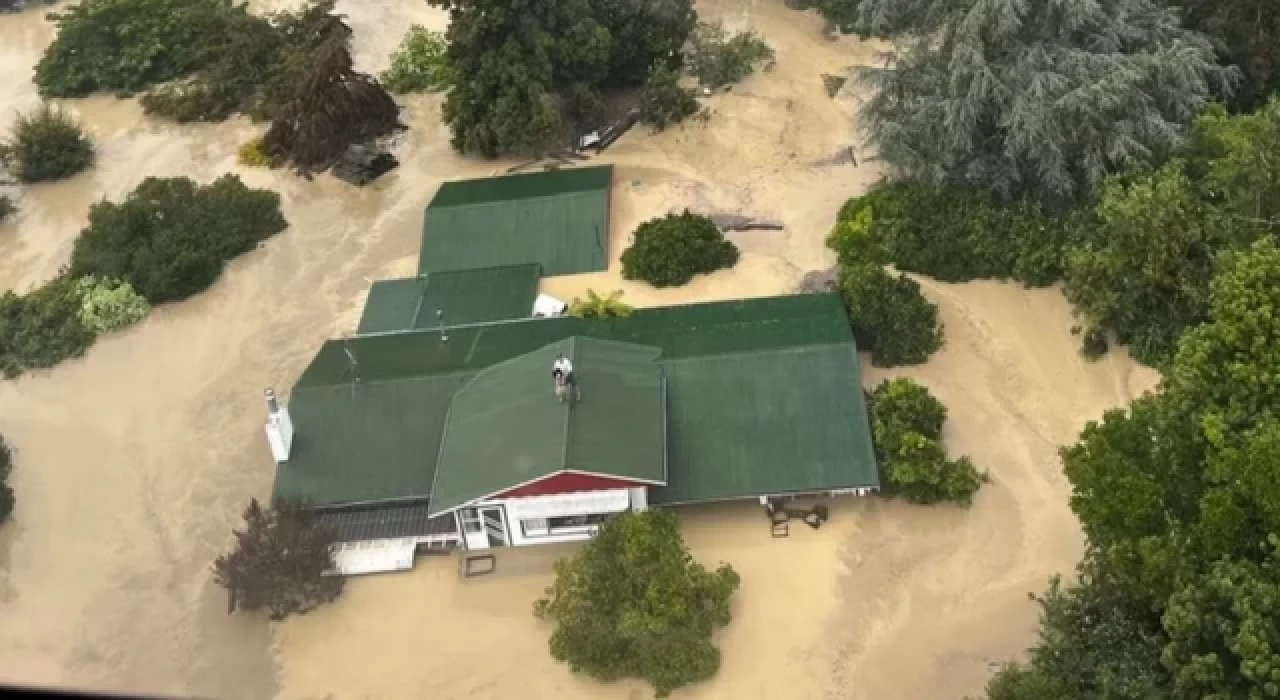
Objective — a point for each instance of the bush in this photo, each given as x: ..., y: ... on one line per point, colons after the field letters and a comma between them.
x: 596, y: 306
x: 719, y: 59
x: 108, y: 305
x: 253, y: 154
x: 889, y: 315
x: 47, y: 144
x: 951, y: 234
x: 6, y: 492
x: 279, y: 563
x: 669, y: 251
x: 633, y: 603
x: 42, y: 328
x: 663, y: 102
x: 418, y: 65
x: 128, y: 45
x: 170, y: 238
x: 906, y: 423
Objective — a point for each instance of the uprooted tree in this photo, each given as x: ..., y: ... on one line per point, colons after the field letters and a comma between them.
x: 279, y: 563
x: 634, y: 604
x: 331, y: 108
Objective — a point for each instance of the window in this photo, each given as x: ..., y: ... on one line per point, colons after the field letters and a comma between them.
x: 470, y: 522
x: 578, y: 520
x: 534, y: 526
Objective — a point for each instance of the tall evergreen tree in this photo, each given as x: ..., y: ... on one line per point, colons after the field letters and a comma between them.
x: 1044, y: 98
x: 1250, y: 34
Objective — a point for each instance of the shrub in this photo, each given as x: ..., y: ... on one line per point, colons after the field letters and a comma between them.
x: 170, y: 238
x: 889, y: 315
x: 663, y: 102
x: 633, y: 603
x: 127, y: 45
x: 6, y: 492
x: 253, y: 154
x: 419, y: 64
x: 48, y: 144
x: 906, y: 423
x: 719, y: 59
x: 42, y: 328
x: 951, y: 234
x: 596, y: 306
x: 108, y: 305
x: 670, y: 250
x: 278, y: 564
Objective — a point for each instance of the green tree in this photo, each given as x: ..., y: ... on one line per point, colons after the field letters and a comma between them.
x: 663, y: 101
x: 906, y: 423
x: 109, y: 305
x: 634, y: 604
x: 41, y: 328
x: 954, y: 234
x: 891, y: 319
x: 419, y: 64
x: 507, y: 61
x: 720, y: 59
x: 1147, y: 252
x: 279, y: 563
x: 642, y: 33
x: 1044, y: 99
x: 1250, y: 32
x: 670, y: 250
x: 47, y: 144
x: 170, y: 238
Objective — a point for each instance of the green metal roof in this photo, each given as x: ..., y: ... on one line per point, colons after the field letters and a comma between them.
x: 507, y: 419
x: 766, y: 422
x: 367, y: 441
x: 558, y: 218
x: 451, y: 298
x: 763, y: 396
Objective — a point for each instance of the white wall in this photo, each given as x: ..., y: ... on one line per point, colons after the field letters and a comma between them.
x: 560, y: 505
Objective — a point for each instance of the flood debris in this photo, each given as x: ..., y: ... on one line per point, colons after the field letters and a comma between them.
x: 361, y: 165
x: 845, y: 155
x: 737, y: 222
x: 833, y: 83
x: 818, y: 282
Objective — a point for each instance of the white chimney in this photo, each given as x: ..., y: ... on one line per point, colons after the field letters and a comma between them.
x: 279, y: 428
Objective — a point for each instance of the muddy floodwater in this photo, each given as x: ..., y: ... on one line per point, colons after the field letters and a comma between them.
x: 134, y: 463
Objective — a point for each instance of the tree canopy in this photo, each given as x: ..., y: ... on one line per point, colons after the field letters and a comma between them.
x: 906, y: 423
x: 1250, y: 34
x: 634, y: 603
x: 1035, y: 98
x: 668, y: 251
x: 278, y: 563
x: 170, y: 238
x: 521, y: 72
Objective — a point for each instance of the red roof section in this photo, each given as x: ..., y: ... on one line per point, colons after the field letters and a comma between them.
x: 567, y: 482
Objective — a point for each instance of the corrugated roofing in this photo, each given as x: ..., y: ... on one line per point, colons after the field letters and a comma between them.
x: 385, y: 522
x: 767, y: 422
x: 506, y: 427
x: 763, y: 396
x: 451, y: 298
x: 366, y: 441
x: 678, y: 331
x: 559, y: 219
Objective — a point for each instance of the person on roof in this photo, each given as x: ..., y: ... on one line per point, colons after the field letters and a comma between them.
x: 562, y: 373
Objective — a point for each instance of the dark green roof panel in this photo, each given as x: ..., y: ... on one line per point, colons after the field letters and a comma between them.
x: 365, y: 442
x: 506, y: 428
x: 559, y: 219
x: 451, y: 298
x: 678, y: 331
x: 768, y: 422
